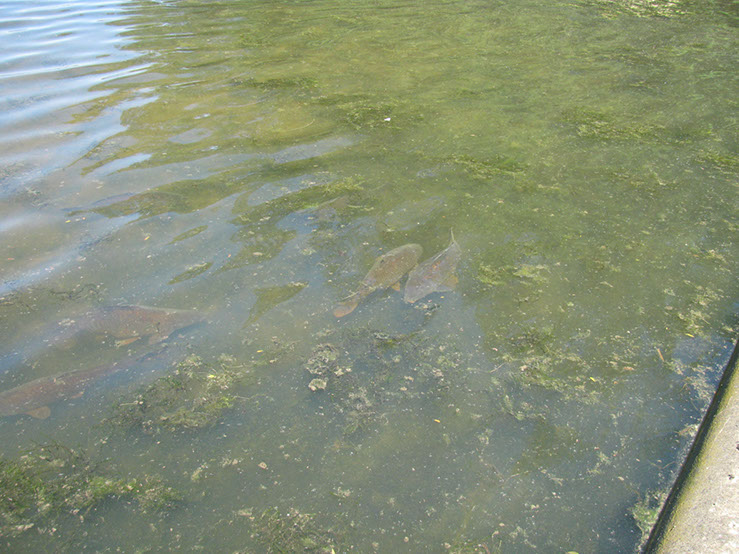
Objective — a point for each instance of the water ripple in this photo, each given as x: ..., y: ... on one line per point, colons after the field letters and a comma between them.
x: 52, y: 57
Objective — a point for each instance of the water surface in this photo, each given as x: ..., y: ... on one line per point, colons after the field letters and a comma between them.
x: 250, y: 160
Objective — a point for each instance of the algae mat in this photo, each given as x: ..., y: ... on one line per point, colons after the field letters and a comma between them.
x: 247, y: 162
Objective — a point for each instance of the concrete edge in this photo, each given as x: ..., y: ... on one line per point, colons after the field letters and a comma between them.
x: 701, y: 513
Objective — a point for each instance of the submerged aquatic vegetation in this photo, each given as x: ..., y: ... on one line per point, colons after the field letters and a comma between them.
x: 258, y: 246
x: 269, y: 297
x: 645, y: 512
x: 299, y: 200
x: 643, y: 8
x: 306, y: 83
x: 724, y: 162
x: 193, y: 397
x: 293, y: 531
x: 594, y: 124
x: 191, y: 272
x: 323, y: 359
x: 469, y: 546
x: 533, y: 339
x: 31, y: 297
x: 146, y: 204
x: 364, y: 112
x: 485, y: 168
x: 189, y: 233
x: 490, y: 275
x: 359, y: 409
x: 53, y: 482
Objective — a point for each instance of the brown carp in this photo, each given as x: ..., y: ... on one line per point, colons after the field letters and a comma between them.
x: 33, y: 398
x: 128, y: 324
x: 386, y: 272
x: 437, y: 274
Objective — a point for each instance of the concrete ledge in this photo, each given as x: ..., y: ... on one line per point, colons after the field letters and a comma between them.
x: 702, y: 512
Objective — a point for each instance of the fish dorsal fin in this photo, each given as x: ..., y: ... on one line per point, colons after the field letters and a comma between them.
x: 396, y: 286
x: 40, y: 413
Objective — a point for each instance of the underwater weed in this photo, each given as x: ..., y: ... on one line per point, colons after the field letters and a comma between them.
x: 486, y: 168
x: 292, y: 531
x: 193, y: 397
x: 52, y: 482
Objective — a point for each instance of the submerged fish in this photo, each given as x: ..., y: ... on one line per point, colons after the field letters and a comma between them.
x: 437, y: 274
x: 386, y: 272
x: 33, y: 398
x: 128, y: 324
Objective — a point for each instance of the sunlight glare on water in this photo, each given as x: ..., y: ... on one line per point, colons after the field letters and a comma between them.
x: 199, y: 333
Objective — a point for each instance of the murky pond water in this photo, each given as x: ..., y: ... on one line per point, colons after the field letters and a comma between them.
x: 192, y: 192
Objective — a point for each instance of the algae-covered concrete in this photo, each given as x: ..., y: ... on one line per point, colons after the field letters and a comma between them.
x: 703, y: 515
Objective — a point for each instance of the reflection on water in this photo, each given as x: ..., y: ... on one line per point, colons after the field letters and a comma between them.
x: 250, y: 162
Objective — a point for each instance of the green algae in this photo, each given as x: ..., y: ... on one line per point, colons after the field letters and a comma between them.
x: 485, y: 168
x: 257, y: 246
x: 722, y: 161
x: 490, y: 275
x: 364, y: 113
x: 323, y: 359
x: 533, y: 339
x: 269, y: 297
x: 194, y: 396
x: 643, y: 8
x: 534, y: 273
x: 54, y: 486
x: 147, y: 204
x: 296, y: 201
x: 645, y: 512
x: 277, y: 83
x: 505, y: 61
x: 696, y: 315
x: 360, y: 412
x: 470, y: 546
x: 31, y: 298
x: 293, y: 531
x: 600, y: 125
x: 191, y: 272
x: 189, y: 234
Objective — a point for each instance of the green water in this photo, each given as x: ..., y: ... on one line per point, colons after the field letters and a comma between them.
x: 250, y: 160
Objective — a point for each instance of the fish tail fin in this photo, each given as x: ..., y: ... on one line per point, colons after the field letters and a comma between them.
x: 345, y: 308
